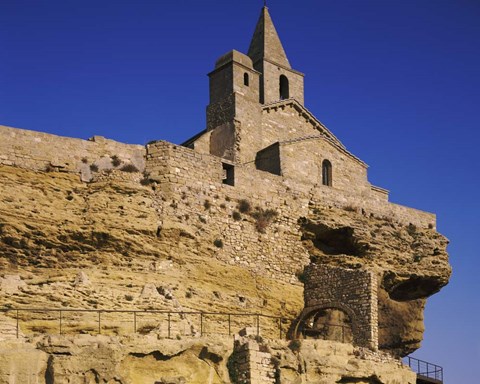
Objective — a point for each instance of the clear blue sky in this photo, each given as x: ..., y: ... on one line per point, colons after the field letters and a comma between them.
x: 396, y: 80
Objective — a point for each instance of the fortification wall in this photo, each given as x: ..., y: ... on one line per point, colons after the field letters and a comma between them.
x: 374, y: 204
x: 191, y: 193
x: 37, y: 150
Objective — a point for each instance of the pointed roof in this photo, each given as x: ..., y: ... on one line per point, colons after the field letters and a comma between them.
x: 265, y: 42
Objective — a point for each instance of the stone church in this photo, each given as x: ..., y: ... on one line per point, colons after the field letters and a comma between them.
x: 263, y: 216
x: 257, y: 116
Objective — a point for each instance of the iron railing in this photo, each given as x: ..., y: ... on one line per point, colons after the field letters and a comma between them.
x: 167, y: 323
x: 329, y: 331
x: 425, y: 369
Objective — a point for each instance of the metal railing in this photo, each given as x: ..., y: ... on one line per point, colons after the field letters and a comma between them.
x: 425, y: 369
x: 168, y: 324
x: 329, y: 331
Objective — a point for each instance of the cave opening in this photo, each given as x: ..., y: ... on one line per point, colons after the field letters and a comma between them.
x: 334, y: 241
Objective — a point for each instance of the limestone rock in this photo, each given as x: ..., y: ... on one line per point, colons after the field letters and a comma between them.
x: 150, y: 291
x: 411, y: 264
x: 108, y: 229
x: 10, y: 284
x: 22, y: 363
x: 8, y: 329
x: 81, y: 279
x: 85, y: 173
x: 131, y: 360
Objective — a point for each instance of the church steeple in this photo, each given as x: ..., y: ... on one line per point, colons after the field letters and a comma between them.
x: 278, y: 81
x: 265, y: 42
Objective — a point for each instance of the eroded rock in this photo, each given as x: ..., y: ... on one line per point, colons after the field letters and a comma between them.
x: 410, y: 265
x: 10, y: 284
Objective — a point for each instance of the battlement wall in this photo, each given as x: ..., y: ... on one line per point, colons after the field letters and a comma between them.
x: 372, y: 204
x: 183, y: 165
x: 37, y: 150
x: 180, y: 165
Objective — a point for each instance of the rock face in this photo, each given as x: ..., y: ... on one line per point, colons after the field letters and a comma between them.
x: 410, y: 263
x: 100, y: 245
x: 22, y: 363
x: 132, y: 264
x: 129, y: 264
x: 11, y: 284
x: 130, y: 360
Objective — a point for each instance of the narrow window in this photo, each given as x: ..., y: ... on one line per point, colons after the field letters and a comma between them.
x: 228, y: 174
x: 284, y: 88
x: 246, y: 80
x: 327, y: 173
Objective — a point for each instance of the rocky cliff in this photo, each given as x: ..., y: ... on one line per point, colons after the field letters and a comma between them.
x: 116, y: 243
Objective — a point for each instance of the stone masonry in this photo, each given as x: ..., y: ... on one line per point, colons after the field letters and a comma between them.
x: 40, y: 151
x: 188, y: 178
x: 265, y: 187
x: 352, y: 291
x: 250, y: 362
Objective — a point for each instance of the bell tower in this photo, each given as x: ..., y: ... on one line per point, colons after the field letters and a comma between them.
x: 278, y: 81
x: 240, y: 86
x: 234, y: 106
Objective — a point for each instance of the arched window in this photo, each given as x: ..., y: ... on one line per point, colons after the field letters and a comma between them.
x: 327, y: 173
x: 284, y: 88
x: 246, y: 80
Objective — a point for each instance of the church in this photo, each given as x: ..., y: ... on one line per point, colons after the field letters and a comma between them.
x: 257, y: 118
x: 264, y: 215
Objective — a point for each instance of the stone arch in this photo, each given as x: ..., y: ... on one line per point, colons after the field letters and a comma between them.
x: 309, y: 311
x: 353, y: 291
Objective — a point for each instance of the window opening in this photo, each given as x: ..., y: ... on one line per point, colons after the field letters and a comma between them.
x: 246, y: 79
x: 284, y: 88
x: 327, y: 173
x: 228, y: 174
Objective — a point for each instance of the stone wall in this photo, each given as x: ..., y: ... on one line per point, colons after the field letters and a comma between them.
x: 268, y: 159
x: 271, y: 82
x: 228, y: 77
x: 250, y: 362
x: 373, y: 204
x: 302, y: 160
x: 352, y: 291
x: 221, y: 112
x: 191, y: 192
x: 241, y: 115
x: 38, y: 150
x: 168, y: 163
